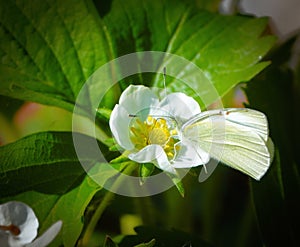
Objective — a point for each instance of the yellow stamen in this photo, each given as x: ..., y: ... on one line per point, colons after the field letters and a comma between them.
x: 154, y: 131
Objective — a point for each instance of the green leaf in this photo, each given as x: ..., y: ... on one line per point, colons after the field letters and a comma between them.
x: 48, y: 50
x: 120, y: 159
x: 226, y: 48
x: 273, y: 92
x: 178, y: 183
x: 69, y: 208
x: 145, y: 170
x: 114, y: 147
x: 218, y: 47
x: 269, y: 199
x: 103, y: 113
x: 210, y: 5
x: 45, y: 162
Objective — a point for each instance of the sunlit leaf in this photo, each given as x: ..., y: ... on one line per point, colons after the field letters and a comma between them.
x: 49, y: 50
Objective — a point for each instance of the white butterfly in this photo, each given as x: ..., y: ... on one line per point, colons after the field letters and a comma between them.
x: 238, y: 137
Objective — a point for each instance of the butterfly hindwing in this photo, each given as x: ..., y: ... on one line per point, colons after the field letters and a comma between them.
x: 236, y: 137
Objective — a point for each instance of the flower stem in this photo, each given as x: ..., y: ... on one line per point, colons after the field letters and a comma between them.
x: 109, y: 196
x: 95, y: 218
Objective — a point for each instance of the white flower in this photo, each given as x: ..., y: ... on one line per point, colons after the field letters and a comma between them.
x: 18, y: 227
x: 149, y: 129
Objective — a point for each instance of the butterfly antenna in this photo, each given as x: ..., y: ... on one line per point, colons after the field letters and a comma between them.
x: 164, y: 81
x: 165, y: 87
x: 166, y: 93
x: 164, y: 74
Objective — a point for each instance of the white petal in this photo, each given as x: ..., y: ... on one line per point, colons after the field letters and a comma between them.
x: 119, y: 124
x: 6, y: 240
x: 47, y: 236
x: 137, y: 98
x: 154, y: 154
x: 180, y: 106
x: 22, y: 216
x: 190, y: 156
x: 3, y: 239
x: 14, y: 243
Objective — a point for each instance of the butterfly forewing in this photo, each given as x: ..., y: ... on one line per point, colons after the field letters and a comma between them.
x: 236, y: 137
x: 252, y: 119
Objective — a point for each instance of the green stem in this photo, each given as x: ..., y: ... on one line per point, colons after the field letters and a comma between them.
x: 95, y: 218
x: 109, y: 196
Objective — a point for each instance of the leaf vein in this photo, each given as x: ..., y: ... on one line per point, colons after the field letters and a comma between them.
x: 48, y: 45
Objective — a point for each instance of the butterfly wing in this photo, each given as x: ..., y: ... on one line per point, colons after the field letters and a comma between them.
x: 236, y: 137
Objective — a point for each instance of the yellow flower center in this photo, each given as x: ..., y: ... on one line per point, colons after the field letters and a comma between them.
x: 154, y: 131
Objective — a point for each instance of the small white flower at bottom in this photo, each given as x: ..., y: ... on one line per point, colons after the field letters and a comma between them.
x: 19, y: 224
